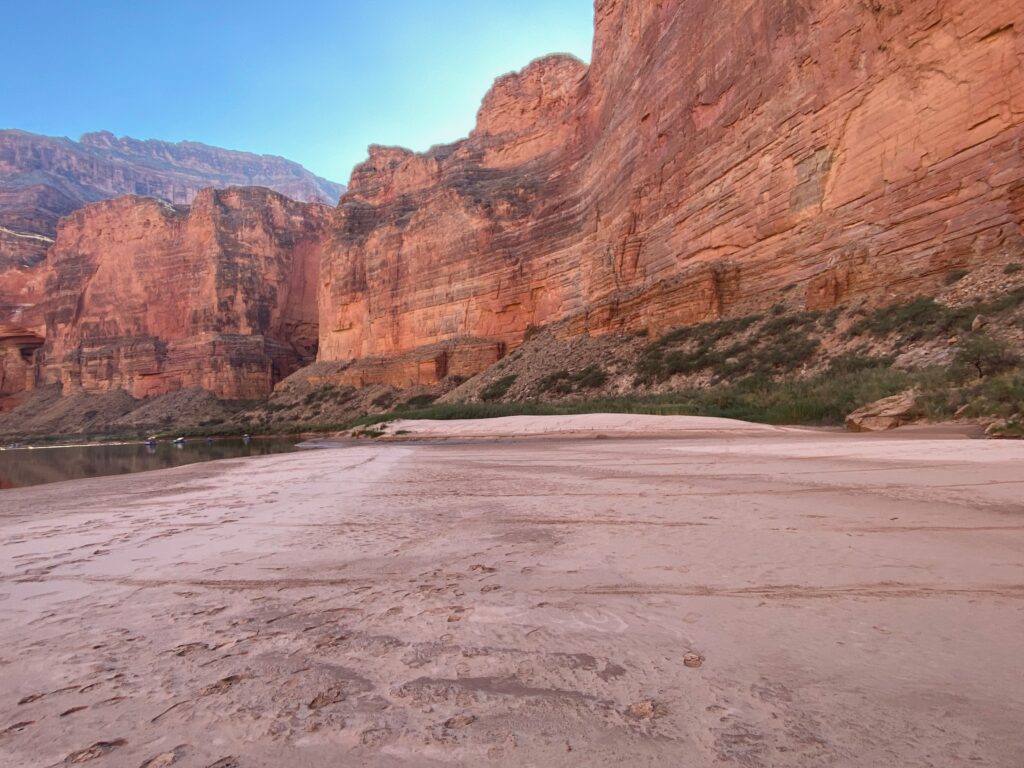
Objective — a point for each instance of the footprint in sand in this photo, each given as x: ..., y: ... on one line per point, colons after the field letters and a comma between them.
x: 327, y: 698
x: 189, y: 648
x: 99, y: 749
x: 220, y: 686
x: 36, y: 696
x: 459, y: 721
x: 165, y: 759
x: 374, y: 737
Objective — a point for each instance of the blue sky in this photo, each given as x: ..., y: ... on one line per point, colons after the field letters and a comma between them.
x: 312, y: 80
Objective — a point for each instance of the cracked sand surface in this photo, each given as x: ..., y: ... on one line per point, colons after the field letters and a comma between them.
x: 782, y: 599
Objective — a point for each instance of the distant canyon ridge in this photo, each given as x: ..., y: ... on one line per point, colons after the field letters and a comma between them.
x: 713, y: 160
x: 43, y: 179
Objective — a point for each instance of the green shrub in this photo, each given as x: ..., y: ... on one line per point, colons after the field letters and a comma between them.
x: 418, y: 401
x: 784, y: 324
x: 553, y: 380
x: 919, y: 320
x: 659, y: 361
x: 1011, y: 269
x: 955, y: 276
x: 924, y: 319
x: 780, y: 344
x: 1001, y: 396
x: 563, y: 382
x: 384, y: 400
x: 1008, y: 301
x: 498, y: 389
x: 787, y: 354
x: 854, y: 363
x: 591, y: 377
x: 329, y: 392
x: 985, y: 355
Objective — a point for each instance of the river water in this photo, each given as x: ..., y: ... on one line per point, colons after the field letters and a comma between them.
x: 23, y: 467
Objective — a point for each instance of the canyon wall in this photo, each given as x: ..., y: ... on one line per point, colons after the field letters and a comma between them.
x: 43, y: 179
x: 713, y: 160
x: 151, y: 298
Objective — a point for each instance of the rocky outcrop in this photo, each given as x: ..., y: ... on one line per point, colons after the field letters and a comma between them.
x: 43, y: 179
x: 151, y: 298
x: 883, y: 415
x: 713, y: 160
x: 17, y: 363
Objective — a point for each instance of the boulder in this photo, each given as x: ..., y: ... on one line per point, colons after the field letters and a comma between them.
x: 882, y: 415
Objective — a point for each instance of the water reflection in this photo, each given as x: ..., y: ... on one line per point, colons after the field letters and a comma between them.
x: 19, y: 468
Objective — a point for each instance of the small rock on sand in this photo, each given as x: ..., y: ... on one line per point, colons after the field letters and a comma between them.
x: 459, y: 721
x: 648, y: 709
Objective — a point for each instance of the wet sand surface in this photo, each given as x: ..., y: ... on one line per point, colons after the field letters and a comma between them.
x: 769, y: 598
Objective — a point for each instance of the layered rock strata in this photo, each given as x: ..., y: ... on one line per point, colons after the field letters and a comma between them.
x: 713, y: 160
x: 151, y: 298
x: 43, y: 179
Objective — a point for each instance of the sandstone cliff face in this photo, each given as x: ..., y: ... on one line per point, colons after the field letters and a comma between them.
x: 17, y: 365
x: 152, y: 298
x: 43, y: 179
x: 21, y: 275
x: 714, y: 159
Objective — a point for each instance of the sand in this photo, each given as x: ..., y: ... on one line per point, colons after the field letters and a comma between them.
x: 719, y: 595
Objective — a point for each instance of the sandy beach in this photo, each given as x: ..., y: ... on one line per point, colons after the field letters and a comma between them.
x: 713, y: 594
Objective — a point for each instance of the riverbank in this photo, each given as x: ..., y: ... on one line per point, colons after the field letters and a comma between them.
x: 738, y: 597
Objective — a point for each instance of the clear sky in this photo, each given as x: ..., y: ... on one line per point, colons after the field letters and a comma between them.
x: 315, y: 81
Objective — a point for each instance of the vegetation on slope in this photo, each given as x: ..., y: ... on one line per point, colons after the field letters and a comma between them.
x: 782, y: 367
x: 811, y: 368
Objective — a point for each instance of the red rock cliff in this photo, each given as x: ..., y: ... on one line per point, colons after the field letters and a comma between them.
x: 43, y: 179
x: 17, y: 367
x: 152, y: 298
x: 714, y: 158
